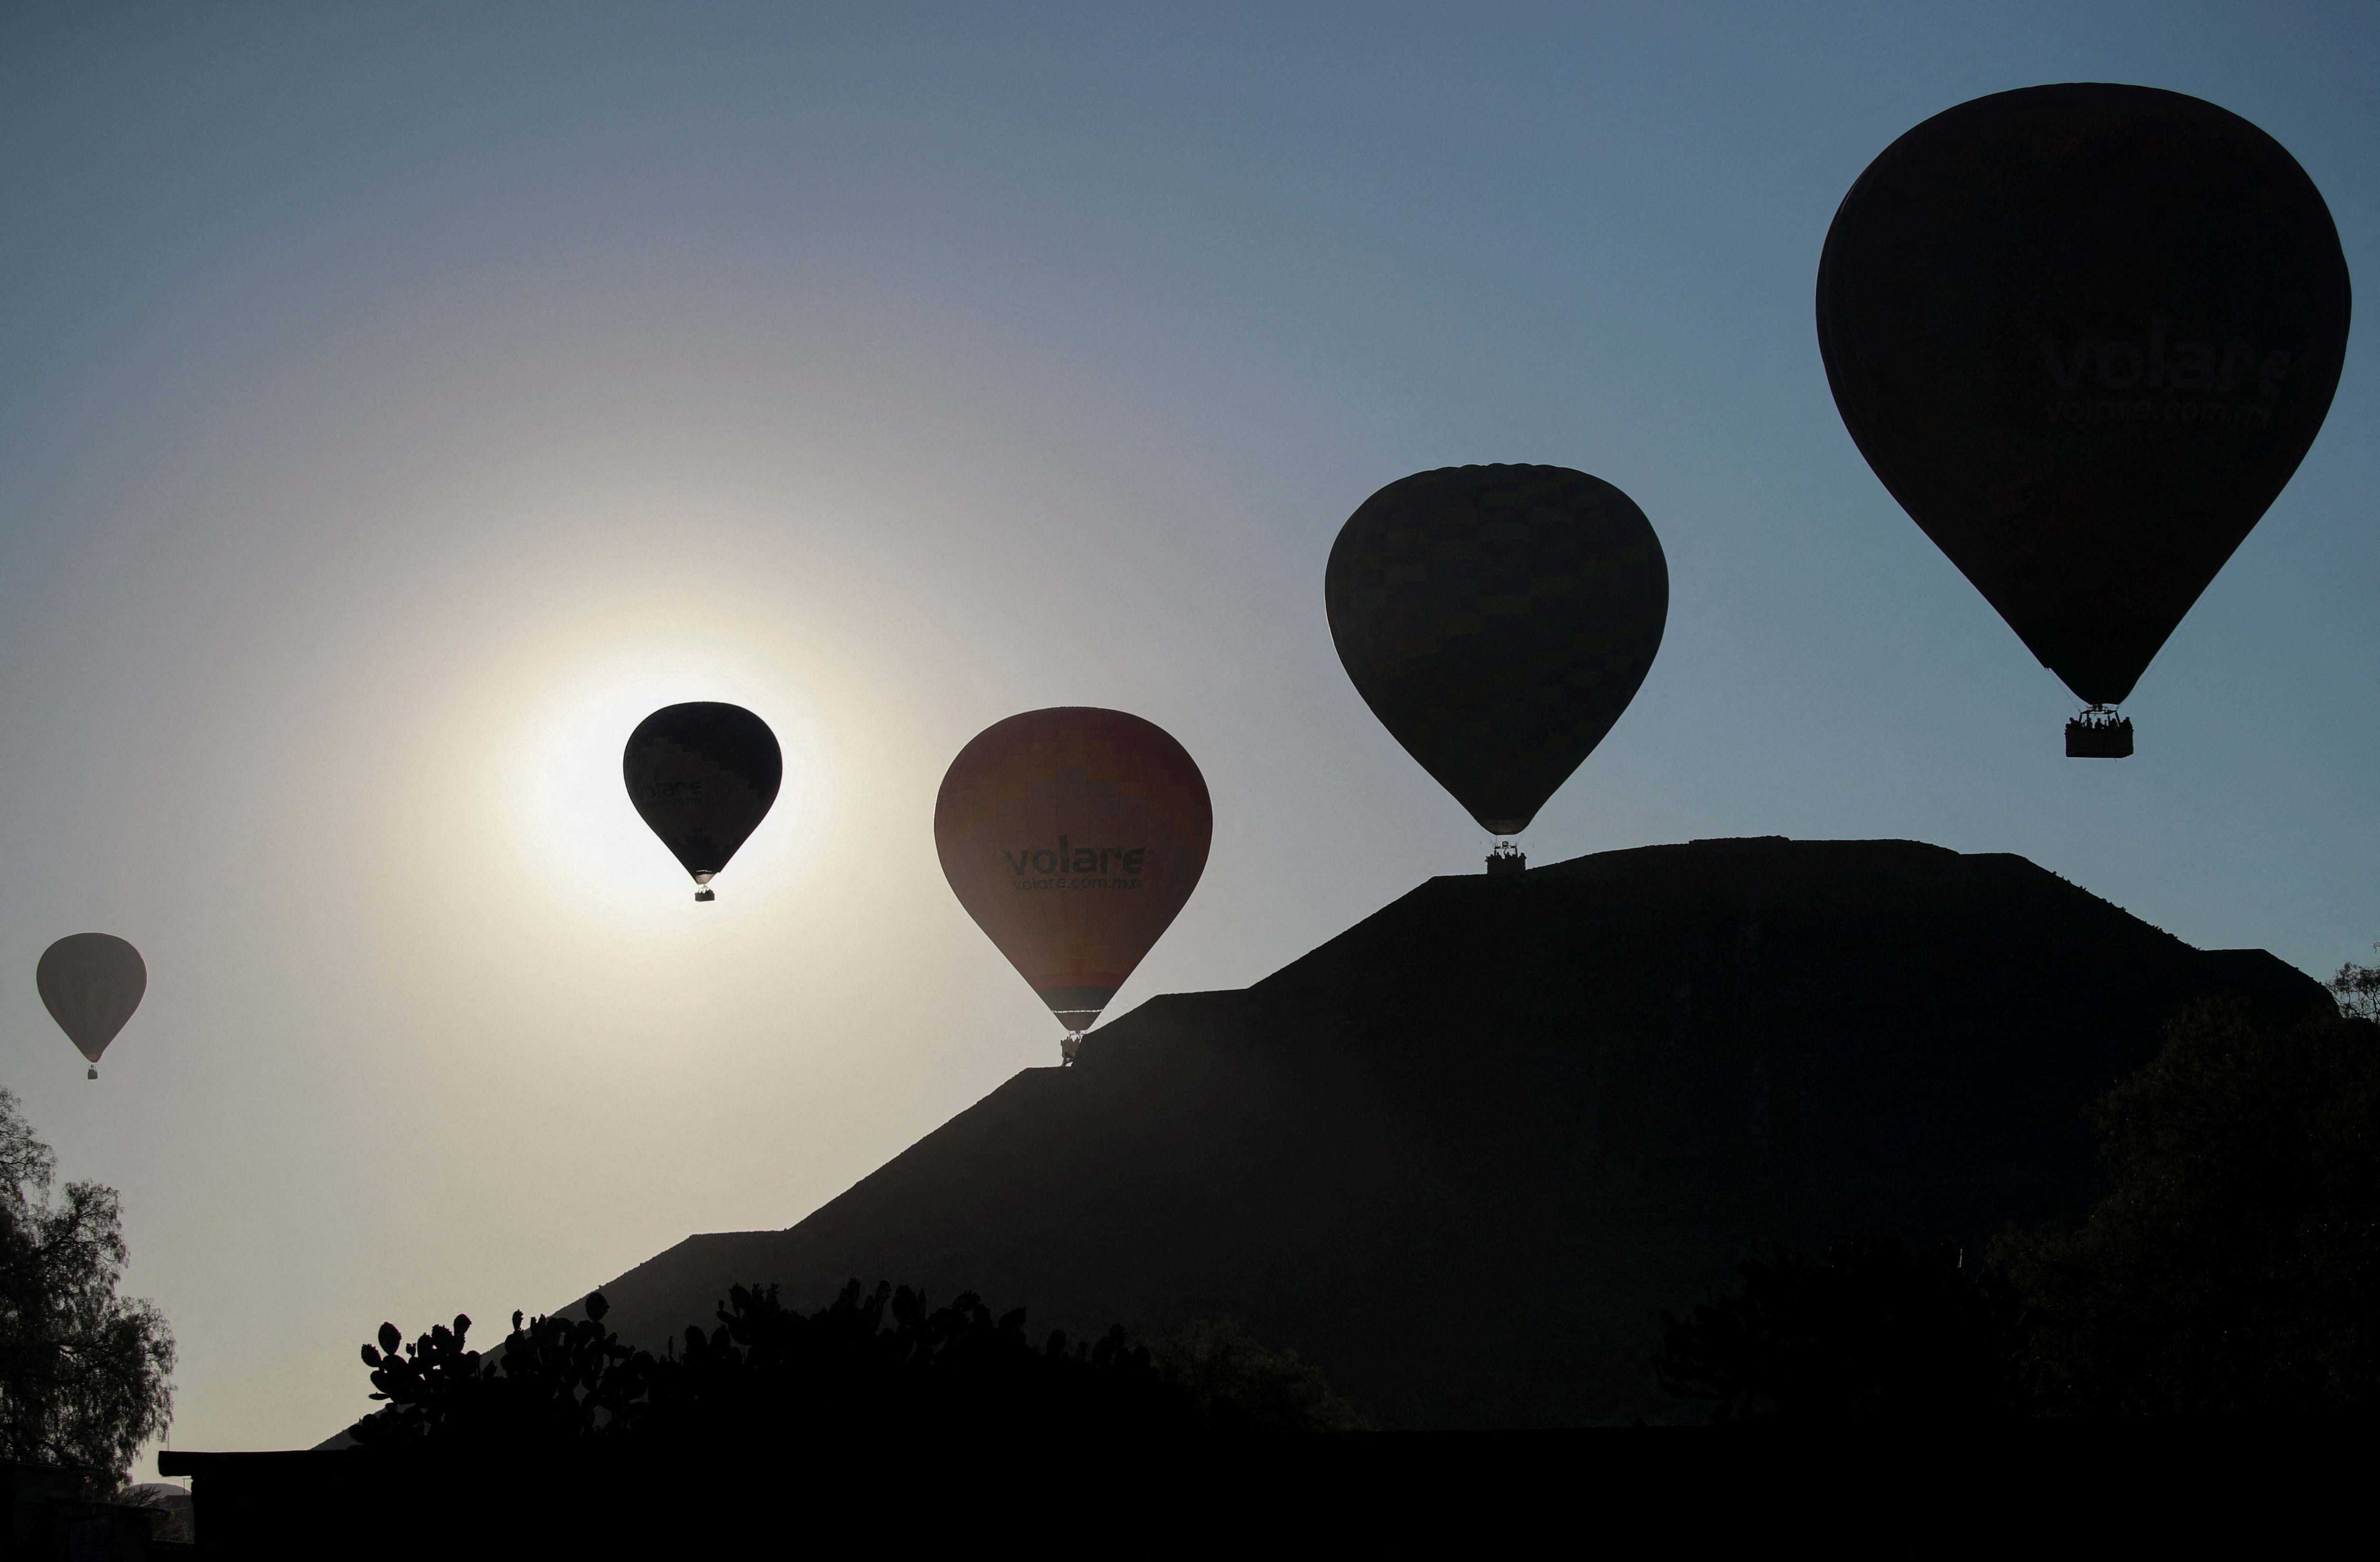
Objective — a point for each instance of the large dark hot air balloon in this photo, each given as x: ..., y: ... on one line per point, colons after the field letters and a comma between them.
x: 1072, y: 836
x: 2085, y: 334
x: 90, y: 982
x: 703, y: 775
x: 1498, y: 620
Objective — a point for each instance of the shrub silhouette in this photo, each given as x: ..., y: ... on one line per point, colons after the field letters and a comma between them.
x: 868, y: 1362
x: 1238, y: 1385
x: 557, y: 1380
x: 1870, y: 1332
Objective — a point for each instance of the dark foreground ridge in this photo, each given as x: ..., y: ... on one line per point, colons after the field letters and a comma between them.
x: 1463, y: 1155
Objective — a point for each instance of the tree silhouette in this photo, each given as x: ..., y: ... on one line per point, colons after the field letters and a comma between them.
x: 2357, y: 988
x: 83, y: 1372
x: 2234, y: 1269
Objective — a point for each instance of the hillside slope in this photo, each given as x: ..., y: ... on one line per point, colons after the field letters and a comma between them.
x: 1462, y: 1154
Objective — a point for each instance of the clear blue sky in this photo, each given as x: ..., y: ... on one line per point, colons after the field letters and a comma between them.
x: 401, y: 400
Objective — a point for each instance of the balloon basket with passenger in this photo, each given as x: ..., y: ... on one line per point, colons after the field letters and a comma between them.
x: 2099, y: 734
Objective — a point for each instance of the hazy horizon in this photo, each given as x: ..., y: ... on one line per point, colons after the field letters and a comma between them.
x: 406, y: 401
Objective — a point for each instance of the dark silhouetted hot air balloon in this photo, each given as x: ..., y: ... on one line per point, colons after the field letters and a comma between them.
x: 1498, y: 620
x: 1072, y: 836
x: 703, y: 775
x: 2085, y: 334
x: 90, y: 982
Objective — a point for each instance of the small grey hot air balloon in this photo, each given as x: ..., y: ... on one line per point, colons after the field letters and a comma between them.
x: 90, y: 982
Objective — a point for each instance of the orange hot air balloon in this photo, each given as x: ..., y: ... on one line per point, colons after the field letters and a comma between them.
x: 1072, y: 836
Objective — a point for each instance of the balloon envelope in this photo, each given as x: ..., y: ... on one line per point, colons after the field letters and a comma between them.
x: 2085, y: 334
x: 1072, y: 836
x: 702, y: 774
x: 1498, y: 620
x: 90, y: 982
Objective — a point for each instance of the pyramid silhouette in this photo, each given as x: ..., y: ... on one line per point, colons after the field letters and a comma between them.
x: 1464, y: 1154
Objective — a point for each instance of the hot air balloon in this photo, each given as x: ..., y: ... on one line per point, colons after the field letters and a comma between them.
x: 1498, y: 620
x: 703, y: 775
x: 2085, y: 334
x: 1072, y: 836
x: 90, y: 982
